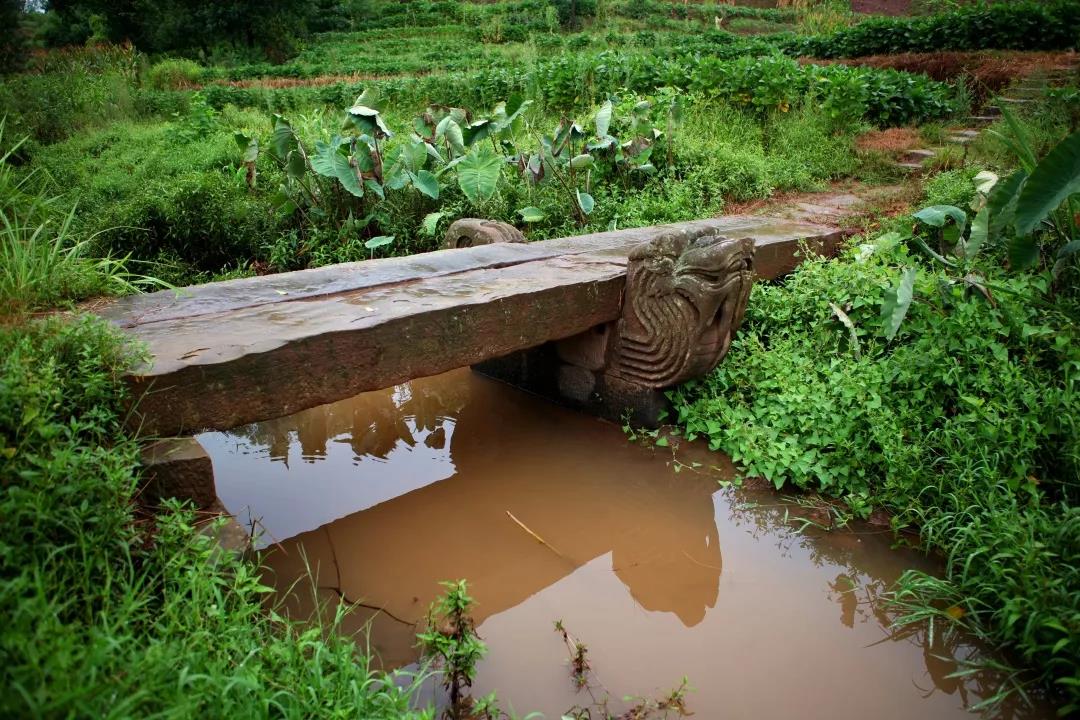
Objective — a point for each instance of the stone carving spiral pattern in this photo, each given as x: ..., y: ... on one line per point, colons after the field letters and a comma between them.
x: 685, y: 297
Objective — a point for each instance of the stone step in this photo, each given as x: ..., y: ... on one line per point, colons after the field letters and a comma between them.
x: 983, y: 119
x: 911, y: 167
x: 917, y: 156
x: 231, y: 353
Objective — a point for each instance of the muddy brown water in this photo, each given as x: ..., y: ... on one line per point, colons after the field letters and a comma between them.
x: 659, y: 570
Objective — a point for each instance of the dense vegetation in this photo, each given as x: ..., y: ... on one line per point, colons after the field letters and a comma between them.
x: 111, y: 614
x: 941, y: 388
x: 179, y: 142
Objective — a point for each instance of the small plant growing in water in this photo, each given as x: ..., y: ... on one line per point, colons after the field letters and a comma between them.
x: 672, y: 704
x: 450, y: 640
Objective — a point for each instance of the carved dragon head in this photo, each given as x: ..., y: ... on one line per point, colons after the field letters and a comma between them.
x: 685, y: 297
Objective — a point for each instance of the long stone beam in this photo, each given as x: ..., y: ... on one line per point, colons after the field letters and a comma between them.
x: 235, y: 352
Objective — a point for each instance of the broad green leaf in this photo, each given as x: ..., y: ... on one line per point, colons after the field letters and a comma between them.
x: 249, y: 145
x: 283, y: 139
x: 433, y: 152
x: 364, y: 156
x: 430, y: 224
x: 1023, y: 251
x: 602, y: 143
x: 477, y: 131
x: 531, y: 214
x: 413, y: 156
x: 368, y: 119
x: 326, y: 159
x: 449, y: 129
x: 897, y: 301
x: 581, y: 162
x: 378, y: 242
x: 1002, y: 202
x: 1055, y: 178
x: 938, y: 215
x: 424, y: 127
x: 585, y: 202
x: 515, y: 104
x: 478, y: 173
x: 427, y: 183
x: 980, y: 229
x: 603, y: 119
x: 295, y: 164
x: 398, y: 180
x: 347, y: 176
x: 369, y: 98
x: 375, y: 188
x: 985, y: 182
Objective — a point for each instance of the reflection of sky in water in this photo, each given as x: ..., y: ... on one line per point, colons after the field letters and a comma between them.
x: 298, y: 491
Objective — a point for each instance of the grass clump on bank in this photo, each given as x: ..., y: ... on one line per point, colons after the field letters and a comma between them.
x: 110, y: 614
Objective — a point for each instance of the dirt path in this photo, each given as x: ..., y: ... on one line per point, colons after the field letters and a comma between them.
x: 881, y: 7
x: 848, y: 204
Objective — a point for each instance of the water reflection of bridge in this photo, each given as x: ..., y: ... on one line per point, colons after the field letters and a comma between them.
x: 507, y: 459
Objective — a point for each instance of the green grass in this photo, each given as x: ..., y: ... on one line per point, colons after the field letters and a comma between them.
x: 111, y: 614
x: 42, y: 261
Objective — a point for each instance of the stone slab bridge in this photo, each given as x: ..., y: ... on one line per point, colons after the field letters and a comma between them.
x: 603, y: 322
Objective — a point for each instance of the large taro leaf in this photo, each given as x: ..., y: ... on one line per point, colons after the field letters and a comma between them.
x: 938, y: 215
x: 897, y: 301
x: 426, y: 183
x: 1001, y: 202
x: 1055, y: 178
x: 283, y: 139
x: 331, y: 161
x: 369, y: 120
x: 603, y: 119
x: 478, y: 173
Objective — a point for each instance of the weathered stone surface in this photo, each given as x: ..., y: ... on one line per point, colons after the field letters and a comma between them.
x: 469, y: 232
x: 684, y: 298
x: 226, y: 369
x: 177, y: 468
x: 230, y: 353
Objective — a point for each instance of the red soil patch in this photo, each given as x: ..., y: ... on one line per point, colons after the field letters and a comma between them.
x: 891, y: 141
x: 881, y: 7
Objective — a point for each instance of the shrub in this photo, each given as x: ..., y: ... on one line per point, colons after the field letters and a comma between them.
x: 66, y: 91
x: 174, y: 74
x: 155, y: 189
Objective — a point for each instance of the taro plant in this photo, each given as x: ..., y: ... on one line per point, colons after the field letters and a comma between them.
x: 574, y: 159
x: 1034, y: 209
